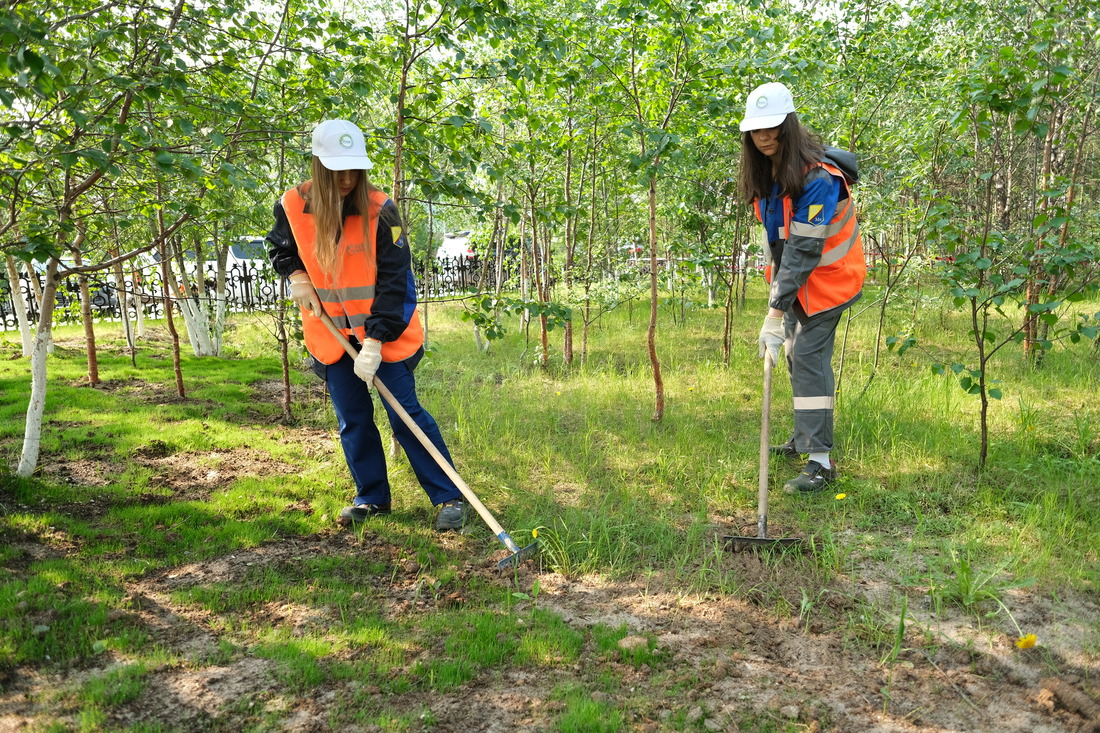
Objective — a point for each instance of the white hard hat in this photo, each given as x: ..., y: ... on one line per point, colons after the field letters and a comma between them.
x: 767, y: 106
x: 340, y: 146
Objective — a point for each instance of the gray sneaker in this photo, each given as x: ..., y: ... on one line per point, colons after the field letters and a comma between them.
x: 452, y: 515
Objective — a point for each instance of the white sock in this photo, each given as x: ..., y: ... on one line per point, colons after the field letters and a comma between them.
x: 822, y: 458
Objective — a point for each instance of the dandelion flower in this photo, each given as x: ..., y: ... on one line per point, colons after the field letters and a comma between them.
x: 690, y: 389
x: 557, y: 393
x: 1026, y: 641
x: 535, y: 533
x: 841, y: 497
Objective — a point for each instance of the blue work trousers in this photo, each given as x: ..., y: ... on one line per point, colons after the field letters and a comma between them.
x: 362, y: 442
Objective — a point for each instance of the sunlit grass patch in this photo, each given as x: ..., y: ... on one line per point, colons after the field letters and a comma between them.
x: 548, y: 641
x: 115, y: 686
x: 583, y: 714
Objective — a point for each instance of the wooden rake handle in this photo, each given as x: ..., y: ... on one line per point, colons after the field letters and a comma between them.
x: 765, y: 425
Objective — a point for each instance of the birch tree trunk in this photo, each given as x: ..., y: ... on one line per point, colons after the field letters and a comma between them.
x: 36, y: 406
x: 124, y: 299
x: 166, y: 283
x: 20, y: 304
x: 86, y: 314
x: 651, y: 333
x: 221, y: 304
x: 36, y: 293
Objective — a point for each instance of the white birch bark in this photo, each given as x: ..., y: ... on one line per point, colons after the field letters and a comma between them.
x: 20, y: 305
x: 221, y: 302
x: 196, y: 319
x: 137, y: 281
x: 36, y: 407
x: 36, y: 293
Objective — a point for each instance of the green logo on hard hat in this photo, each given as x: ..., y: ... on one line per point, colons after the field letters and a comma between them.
x: 761, y: 102
x: 346, y: 141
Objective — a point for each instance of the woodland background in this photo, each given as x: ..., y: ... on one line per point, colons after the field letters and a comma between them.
x: 169, y: 560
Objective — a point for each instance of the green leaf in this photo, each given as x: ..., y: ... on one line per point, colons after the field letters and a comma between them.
x: 32, y: 61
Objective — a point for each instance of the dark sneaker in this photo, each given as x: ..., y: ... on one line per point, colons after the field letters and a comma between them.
x: 452, y: 515
x: 787, y: 450
x: 814, y: 477
x: 361, y: 513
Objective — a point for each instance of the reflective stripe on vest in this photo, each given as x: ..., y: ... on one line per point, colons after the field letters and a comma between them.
x: 348, y: 298
x: 839, y: 274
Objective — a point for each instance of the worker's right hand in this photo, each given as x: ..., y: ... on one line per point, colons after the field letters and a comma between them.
x: 368, y: 360
x: 304, y: 294
x: 771, y: 337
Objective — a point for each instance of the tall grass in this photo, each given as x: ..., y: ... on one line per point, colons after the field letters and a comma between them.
x: 573, y: 449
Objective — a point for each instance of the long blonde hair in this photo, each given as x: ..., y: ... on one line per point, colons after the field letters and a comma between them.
x: 323, y: 195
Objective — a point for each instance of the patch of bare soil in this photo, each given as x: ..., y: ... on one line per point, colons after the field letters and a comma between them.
x: 720, y: 658
x: 185, y: 476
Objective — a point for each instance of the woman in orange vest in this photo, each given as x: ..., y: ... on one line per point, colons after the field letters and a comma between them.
x: 800, y: 191
x: 341, y: 244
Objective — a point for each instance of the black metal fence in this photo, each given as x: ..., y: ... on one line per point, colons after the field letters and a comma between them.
x: 248, y: 287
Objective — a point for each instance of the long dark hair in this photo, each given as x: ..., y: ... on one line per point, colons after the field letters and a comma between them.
x: 326, y: 205
x: 798, y: 148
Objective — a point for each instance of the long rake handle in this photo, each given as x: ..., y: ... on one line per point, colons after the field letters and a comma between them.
x: 765, y: 426
x: 467, y: 492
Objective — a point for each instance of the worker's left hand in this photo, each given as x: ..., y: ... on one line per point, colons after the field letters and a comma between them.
x: 366, y: 363
x: 771, y: 337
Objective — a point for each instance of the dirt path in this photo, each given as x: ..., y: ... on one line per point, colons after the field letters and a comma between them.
x: 722, y: 659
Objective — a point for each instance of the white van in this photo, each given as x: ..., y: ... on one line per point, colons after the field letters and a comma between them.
x: 455, y: 248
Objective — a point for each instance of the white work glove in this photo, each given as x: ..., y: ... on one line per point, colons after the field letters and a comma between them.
x: 304, y: 294
x: 771, y: 337
x: 366, y: 363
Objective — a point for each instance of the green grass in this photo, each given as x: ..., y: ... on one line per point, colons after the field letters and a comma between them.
x: 135, y: 483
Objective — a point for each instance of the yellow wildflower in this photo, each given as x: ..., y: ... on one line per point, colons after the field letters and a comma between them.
x: 841, y: 497
x: 1026, y: 642
x: 535, y: 533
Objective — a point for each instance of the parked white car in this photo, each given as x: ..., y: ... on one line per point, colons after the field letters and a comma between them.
x: 456, y: 246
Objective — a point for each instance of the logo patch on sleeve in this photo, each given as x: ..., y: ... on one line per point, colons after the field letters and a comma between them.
x: 395, y: 233
x: 815, y: 213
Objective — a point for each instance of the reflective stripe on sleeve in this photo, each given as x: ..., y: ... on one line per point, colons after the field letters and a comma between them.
x: 836, y: 226
x: 802, y: 229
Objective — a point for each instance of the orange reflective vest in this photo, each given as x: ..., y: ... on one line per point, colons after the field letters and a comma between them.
x: 839, y: 275
x: 348, y: 297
